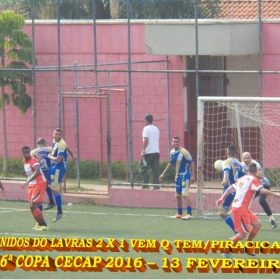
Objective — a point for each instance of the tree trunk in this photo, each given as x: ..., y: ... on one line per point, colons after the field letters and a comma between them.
x: 114, y: 8
x: 5, y: 143
x: 4, y: 131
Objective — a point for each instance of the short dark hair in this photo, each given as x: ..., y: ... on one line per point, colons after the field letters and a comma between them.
x: 176, y: 138
x: 25, y: 148
x: 58, y: 130
x: 253, y: 167
x: 41, y: 141
x: 149, y: 118
x: 232, y: 150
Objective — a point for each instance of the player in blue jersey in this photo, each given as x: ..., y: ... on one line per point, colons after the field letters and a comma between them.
x: 232, y: 171
x: 58, y: 159
x: 185, y: 174
x: 41, y: 153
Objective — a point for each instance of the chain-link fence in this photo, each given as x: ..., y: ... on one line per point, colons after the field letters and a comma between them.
x: 103, y: 65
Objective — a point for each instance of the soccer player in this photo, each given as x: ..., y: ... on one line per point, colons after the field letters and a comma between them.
x: 232, y: 170
x: 185, y: 174
x: 36, y: 183
x: 2, y: 190
x: 243, y: 217
x: 247, y: 159
x: 58, y: 167
x: 41, y: 153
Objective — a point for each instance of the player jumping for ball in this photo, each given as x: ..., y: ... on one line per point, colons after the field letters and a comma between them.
x: 232, y: 171
x: 245, y: 221
x: 36, y: 183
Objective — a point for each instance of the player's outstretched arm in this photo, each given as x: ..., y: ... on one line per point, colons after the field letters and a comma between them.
x: 223, y: 197
x: 192, y: 165
x: 72, y: 154
x: 225, y: 178
x: 57, y: 159
x: 165, y: 170
x: 267, y: 192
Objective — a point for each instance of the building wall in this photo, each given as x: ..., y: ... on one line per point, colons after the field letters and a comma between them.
x: 271, y: 88
x: 148, y: 91
x: 243, y: 84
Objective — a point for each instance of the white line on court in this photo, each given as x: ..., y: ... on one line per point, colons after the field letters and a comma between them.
x: 90, y: 213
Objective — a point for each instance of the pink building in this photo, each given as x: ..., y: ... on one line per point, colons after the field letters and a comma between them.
x: 223, y: 45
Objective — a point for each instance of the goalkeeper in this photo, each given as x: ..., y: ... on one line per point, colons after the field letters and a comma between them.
x: 247, y: 159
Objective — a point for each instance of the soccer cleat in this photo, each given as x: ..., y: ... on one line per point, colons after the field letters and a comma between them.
x: 177, y: 216
x: 145, y: 187
x: 187, y: 217
x: 58, y: 217
x: 156, y: 188
x: 42, y: 228
x: 50, y: 206
x: 36, y: 226
x: 228, y: 256
x: 273, y: 224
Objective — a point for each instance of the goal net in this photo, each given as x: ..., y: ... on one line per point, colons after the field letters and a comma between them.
x: 250, y: 124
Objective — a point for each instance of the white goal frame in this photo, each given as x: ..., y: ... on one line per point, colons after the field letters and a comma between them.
x: 200, y: 140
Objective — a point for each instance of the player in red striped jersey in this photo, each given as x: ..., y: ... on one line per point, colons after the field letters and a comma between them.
x: 36, y: 183
x: 243, y: 217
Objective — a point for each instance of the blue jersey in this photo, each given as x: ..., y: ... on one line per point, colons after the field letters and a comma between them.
x: 59, y: 149
x: 41, y: 153
x: 181, y: 160
x: 235, y: 169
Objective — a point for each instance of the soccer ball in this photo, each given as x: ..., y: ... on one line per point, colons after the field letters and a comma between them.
x: 218, y: 165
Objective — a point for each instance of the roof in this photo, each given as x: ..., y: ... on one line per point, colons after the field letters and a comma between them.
x: 235, y: 9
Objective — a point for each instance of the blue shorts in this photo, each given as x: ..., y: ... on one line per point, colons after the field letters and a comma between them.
x: 182, y: 184
x: 56, y: 178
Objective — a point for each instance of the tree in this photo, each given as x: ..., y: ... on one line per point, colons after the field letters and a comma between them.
x: 69, y: 9
x: 165, y: 9
x: 15, y: 52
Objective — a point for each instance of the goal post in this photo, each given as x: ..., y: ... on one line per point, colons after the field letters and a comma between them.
x: 95, y: 123
x: 251, y: 124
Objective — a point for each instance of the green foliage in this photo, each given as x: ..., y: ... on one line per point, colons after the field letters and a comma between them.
x: 15, y: 168
x: 169, y: 9
x: 39, y: 6
x: 69, y: 9
x: 90, y: 170
x: 273, y: 176
x: 15, y: 45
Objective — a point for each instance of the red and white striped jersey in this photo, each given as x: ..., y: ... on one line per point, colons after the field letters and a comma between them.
x: 245, y: 188
x: 29, y: 171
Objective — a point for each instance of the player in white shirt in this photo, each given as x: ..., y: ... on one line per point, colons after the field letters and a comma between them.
x: 243, y: 217
x: 150, y: 152
x: 247, y: 159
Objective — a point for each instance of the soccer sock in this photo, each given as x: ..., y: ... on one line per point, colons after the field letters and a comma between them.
x: 40, y: 206
x: 189, y: 210
x: 58, y: 203
x: 180, y: 211
x: 38, y: 216
x: 230, y: 223
x: 50, y: 195
x: 271, y: 218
